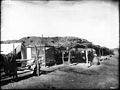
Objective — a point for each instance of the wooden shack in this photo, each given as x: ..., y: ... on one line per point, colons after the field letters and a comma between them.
x: 26, y: 54
x: 45, y: 53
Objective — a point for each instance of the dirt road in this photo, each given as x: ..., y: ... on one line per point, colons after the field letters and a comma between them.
x: 103, y: 76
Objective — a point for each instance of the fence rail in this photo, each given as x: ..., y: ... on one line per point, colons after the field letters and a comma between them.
x: 22, y: 60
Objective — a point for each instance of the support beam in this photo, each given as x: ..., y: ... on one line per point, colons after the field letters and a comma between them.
x: 63, y: 57
x: 44, y: 57
x: 69, y: 57
x: 37, y: 62
x: 86, y: 53
x: 38, y: 67
x: 102, y: 51
x: 22, y: 55
x: 99, y: 53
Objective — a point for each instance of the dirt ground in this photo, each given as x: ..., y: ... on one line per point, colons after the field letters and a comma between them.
x: 74, y: 76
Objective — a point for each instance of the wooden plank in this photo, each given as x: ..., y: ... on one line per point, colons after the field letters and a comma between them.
x: 86, y: 56
x: 69, y: 57
x: 63, y: 57
x: 22, y: 60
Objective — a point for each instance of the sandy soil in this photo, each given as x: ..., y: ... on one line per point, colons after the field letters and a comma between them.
x: 79, y: 76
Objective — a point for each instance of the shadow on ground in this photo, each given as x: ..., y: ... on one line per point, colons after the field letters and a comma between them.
x: 8, y: 79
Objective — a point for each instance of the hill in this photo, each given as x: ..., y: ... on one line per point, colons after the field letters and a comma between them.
x: 61, y: 42
x: 54, y: 41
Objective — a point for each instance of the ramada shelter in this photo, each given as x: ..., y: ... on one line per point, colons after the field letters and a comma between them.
x: 28, y: 53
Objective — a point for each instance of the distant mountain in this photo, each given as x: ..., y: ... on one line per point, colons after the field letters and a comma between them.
x: 9, y: 41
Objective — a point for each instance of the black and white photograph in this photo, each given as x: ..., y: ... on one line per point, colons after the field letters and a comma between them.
x: 59, y: 44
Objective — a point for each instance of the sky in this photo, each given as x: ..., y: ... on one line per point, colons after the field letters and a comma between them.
x: 96, y: 21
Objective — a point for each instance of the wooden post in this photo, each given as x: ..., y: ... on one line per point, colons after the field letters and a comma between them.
x: 13, y: 57
x: 86, y: 53
x: 69, y: 57
x: 37, y: 61
x: 102, y: 51
x: 22, y: 56
x: 13, y: 48
x: 37, y: 67
x: 99, y: 53
x: 44, y: 56
x: 63, y: 57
